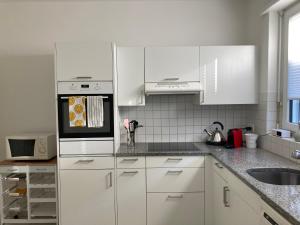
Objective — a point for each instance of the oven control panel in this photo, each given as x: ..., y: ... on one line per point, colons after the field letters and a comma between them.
x: 94, y: 87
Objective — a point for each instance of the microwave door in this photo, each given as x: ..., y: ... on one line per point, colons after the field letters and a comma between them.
x: 22, y: 148
x: 66, y: 131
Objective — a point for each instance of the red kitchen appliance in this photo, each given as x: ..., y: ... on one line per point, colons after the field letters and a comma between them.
x: 235, y: 137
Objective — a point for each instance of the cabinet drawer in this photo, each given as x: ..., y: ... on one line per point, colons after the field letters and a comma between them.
x: 131, y: 162
x: 219, y: 169
x: 175, y: 179
x: 175, y: 208
x: 86, y: 163
x: 175, y: 161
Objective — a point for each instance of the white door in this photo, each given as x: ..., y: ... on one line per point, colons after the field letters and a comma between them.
x: 228, y: 75
x: 83, y: 61
x: 240, y: 211
x: 131, y: 78
x: 131, y: 196
x: 221, y: 213
x: 87, y: 197
x: 175, y: 208
x: 171, y: 64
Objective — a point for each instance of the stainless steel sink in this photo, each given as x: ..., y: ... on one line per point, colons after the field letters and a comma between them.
x: 277, y: 176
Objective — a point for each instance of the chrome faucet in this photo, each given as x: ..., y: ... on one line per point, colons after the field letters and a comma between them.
x: 296, y: 154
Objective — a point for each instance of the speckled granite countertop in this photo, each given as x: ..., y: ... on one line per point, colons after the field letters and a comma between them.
x: 285, y: 199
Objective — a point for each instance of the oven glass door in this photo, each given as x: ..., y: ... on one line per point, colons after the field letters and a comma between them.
x: 66, y: 131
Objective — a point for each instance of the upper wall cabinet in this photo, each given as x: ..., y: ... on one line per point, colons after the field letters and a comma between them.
x: 228, y: 75
x: 83, y: 61
x: 171, y: 64
x: 130, y: 70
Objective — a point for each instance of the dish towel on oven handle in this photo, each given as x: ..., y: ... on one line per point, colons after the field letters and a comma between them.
x: 77, y: 111
x: 95, y: 111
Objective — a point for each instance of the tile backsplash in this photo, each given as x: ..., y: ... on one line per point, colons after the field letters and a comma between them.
x: 174, y: 118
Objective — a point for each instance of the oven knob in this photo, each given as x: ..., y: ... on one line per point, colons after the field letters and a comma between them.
x: 97, y: 87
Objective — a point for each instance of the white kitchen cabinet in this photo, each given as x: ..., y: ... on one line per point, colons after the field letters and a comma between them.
x: 233, y: 203
x: 169, y: 64
x: 87, y: 197
x: 220, y: 212
x: 131, y: 196
x: 228, y: 75
x: 175, y: 179
x: 175, y: 209
x: 83, y: 61
x: 131, y: 76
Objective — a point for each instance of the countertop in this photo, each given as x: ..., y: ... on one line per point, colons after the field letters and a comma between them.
x: 284, y: 199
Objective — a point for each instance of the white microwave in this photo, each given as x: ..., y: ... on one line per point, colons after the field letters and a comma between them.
x: 31, y: 147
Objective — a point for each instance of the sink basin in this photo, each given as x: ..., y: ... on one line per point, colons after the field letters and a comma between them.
x: 277, y: 176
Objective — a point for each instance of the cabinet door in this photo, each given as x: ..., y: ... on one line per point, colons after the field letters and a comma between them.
x: 240, y: 211
x: 83, y: 61
x: 220, y: 211
x: 171, y: 64
x: 131, y: 196
x: 175, y: 208
x: 87, y: 197
x: 228, y: 75
x: 131, y: 78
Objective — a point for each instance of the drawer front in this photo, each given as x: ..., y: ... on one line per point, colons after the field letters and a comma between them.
x: 86, y: 163
x: 175, y: 180
x: 219, y: 169
x: 175, y: 161
x: 130, y: 162
x: 175, y: 208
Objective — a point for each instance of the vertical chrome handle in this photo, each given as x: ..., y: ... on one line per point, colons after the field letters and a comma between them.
x: 225, y: 197
x: 110, y: 184
x: 201, y: 96
x: 219, y: 165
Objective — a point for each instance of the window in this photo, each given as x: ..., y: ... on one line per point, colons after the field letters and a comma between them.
x: 293, y: 88
x: 291, y: 65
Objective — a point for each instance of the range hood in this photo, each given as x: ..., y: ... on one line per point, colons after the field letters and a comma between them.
x: 161, y: 88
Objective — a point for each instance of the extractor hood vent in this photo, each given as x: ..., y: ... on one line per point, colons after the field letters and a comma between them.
x: 161, y: 88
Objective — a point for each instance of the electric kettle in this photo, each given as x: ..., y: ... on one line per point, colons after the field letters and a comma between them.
x: 215, y: 137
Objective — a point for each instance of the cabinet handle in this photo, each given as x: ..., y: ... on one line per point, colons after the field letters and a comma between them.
x: 85, y: 161
x: 41, y: 169
x: 174, y: 196
x: 174, y: 171
x: 201, y: 96
x: 141, y: 98
x: 83, y: 77
x: 130, y: 160
x: 174, y: 159
x: 219, y: 165
x: 110, y: 179
x: 12, y: 170
x: 171, y: 79
x: 12, y: 179
x: 130, y: 172
x: 225, y: 197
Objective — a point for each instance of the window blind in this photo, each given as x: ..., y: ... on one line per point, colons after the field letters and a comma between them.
x: 294, y: 58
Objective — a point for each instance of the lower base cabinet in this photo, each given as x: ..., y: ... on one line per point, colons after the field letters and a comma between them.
x: 131, y: 196
x: 175, y: 209
x: 229, y: 206
x: 87, y: 197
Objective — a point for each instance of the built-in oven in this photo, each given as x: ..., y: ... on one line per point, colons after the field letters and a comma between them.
x: 85, y: 139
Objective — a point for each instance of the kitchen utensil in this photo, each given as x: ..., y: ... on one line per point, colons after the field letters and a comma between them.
x: 133, y: 125
x: 215, y: 137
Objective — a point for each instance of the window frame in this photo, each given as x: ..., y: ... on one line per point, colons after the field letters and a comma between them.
x: 289, y: 13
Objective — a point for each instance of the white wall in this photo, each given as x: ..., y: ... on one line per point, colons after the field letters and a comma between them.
x: 29, y: 30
